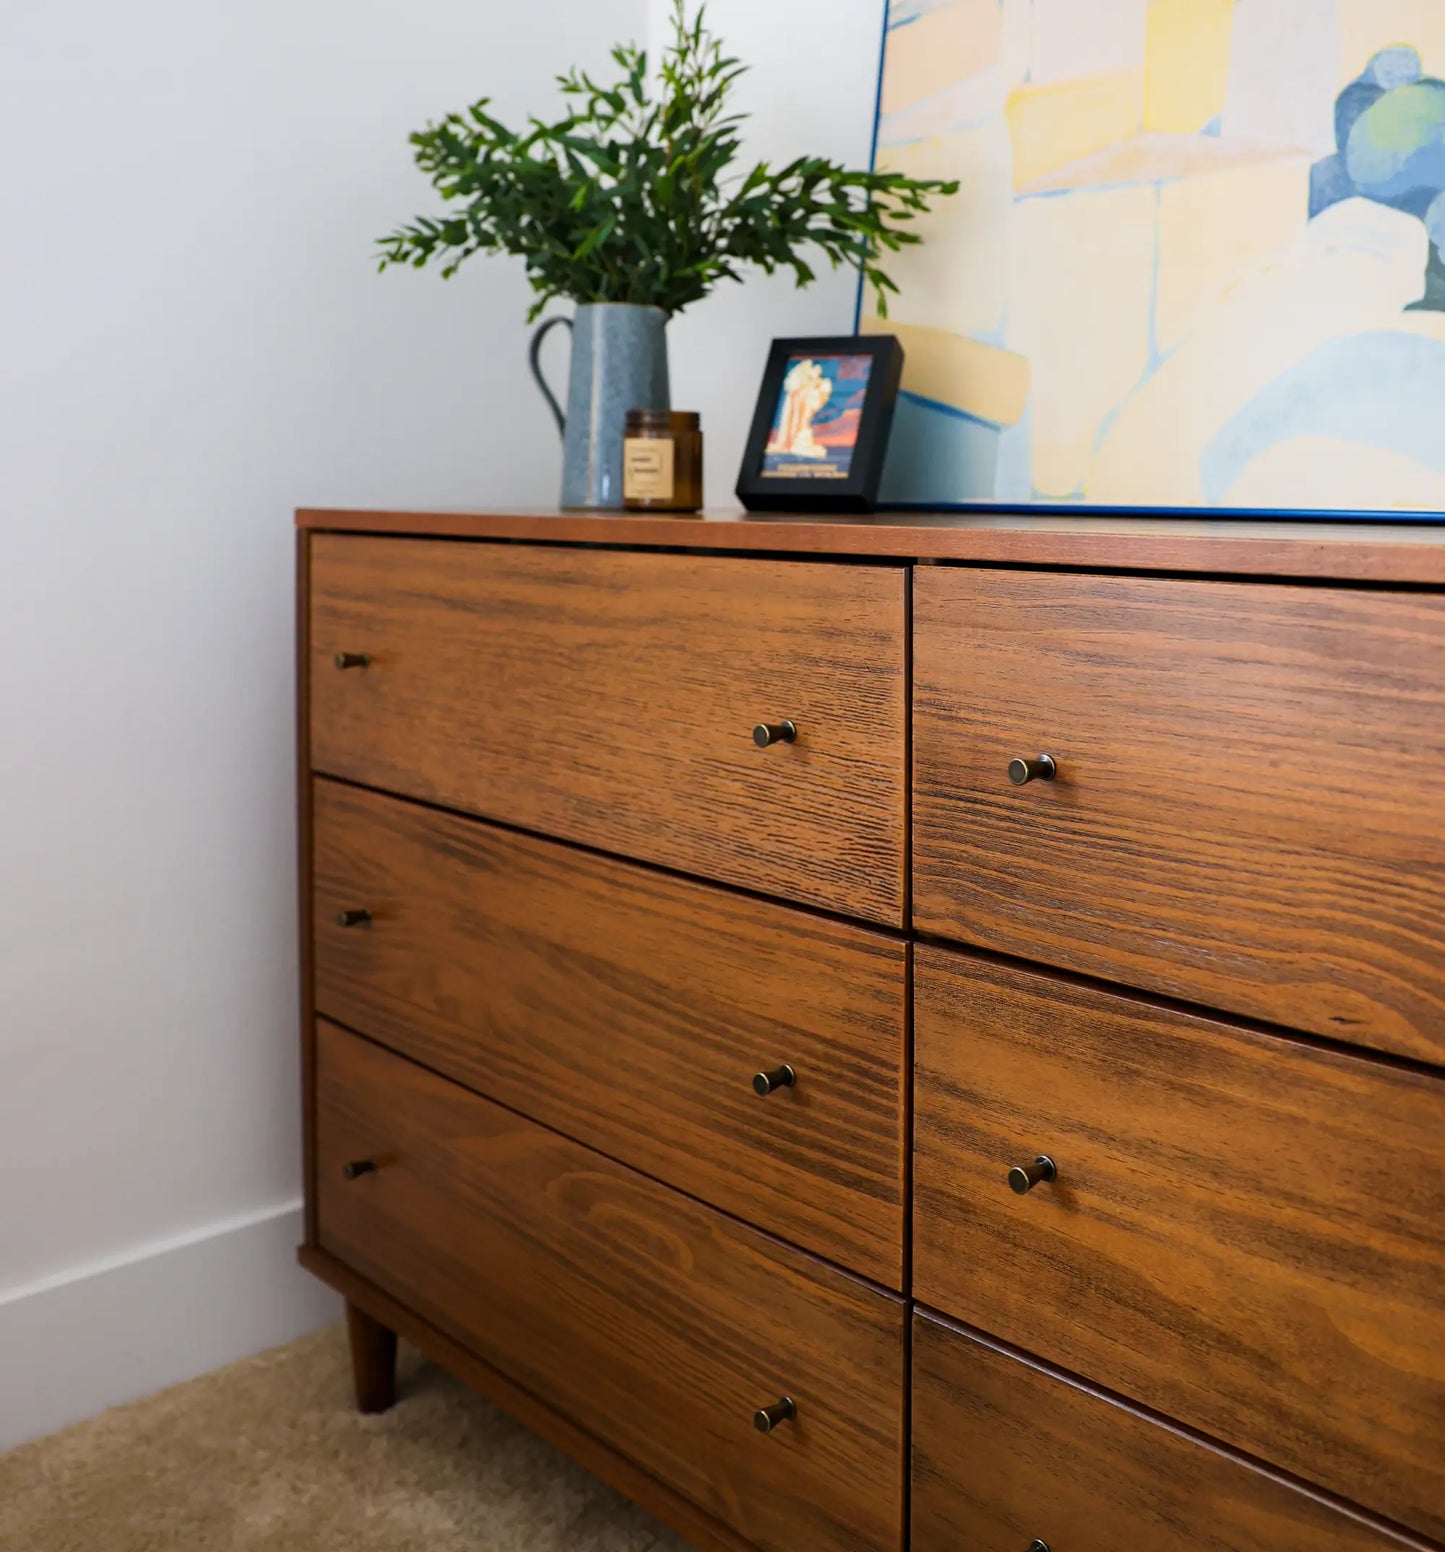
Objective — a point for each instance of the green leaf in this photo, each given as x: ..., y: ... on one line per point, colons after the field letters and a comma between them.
x: 634, y: 193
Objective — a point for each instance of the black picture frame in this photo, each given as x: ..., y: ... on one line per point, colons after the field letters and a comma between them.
x: 855, y: 490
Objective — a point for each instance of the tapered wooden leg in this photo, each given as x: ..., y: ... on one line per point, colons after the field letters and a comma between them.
x: 373, y: 1360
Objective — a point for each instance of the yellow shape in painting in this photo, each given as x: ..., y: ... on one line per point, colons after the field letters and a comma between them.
x: 1052, y: 126
x: 1367, y: 26
x: 957, y: 278
x: 1347, y: 476
x: 1218, y: 225
x: 1214, y: 211
x: 984, y: 381
x: 1155, y: 159
x: 1186, y: 63
x: 1080, y: 312
x: 1358, y: 265
x: 938, y: 49
x: 1428, y: 324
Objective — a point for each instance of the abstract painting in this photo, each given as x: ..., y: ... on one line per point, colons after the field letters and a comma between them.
x: 1197, y: 259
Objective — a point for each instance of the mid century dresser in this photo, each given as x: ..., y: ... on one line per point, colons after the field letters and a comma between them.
x: 893, y: 1034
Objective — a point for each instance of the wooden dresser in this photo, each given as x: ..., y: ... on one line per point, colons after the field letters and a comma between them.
x: 915, y: 1033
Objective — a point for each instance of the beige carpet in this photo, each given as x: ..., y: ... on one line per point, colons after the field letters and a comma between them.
x: 270, y: 1454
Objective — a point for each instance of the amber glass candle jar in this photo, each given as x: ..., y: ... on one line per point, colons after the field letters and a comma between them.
x: 662, y: 461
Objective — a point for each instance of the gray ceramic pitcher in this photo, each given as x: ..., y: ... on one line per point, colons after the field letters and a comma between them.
x: 619, y: 363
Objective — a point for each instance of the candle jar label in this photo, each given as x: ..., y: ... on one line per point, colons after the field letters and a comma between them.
x: 647, y: 468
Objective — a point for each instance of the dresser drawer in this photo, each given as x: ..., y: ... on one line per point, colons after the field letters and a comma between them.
x: 647, y: 1318
x: 1244, y: 1233
x: 1248, y: 805
x: 630, y: 1010
x: 1007, y: 1456
x: 611, y: 698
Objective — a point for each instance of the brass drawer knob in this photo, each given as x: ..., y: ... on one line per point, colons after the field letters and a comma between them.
x: 352, y: 660
x: 1022, y: 1178
x: 778, y: 1078
x: 354, y: 918
x: 765, y: 1419
x: 1021, y: 772
x: 358, y: 1167
x: 783, y: 732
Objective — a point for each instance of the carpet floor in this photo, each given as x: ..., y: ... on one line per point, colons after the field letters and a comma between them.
x: 270, y: 1453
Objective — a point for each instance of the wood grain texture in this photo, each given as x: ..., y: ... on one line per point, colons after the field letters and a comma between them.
x: 647, y: 1318
x: 611, y: 699
x: 1245, y: 1232
x: 1005, y: 1452
x: 1248, y: 810
x: 373, y: 1360
x: 630, y: 1010
x: 306, y: 977
x: 1339, y: 551
x: 593, y: 1454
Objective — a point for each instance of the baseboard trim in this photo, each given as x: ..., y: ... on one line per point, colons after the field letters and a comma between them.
x: 114, y: 1330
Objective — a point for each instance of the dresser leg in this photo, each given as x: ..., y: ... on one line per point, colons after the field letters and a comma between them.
x: 373, y: 1360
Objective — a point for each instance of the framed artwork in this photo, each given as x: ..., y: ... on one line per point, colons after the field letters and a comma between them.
x: 821, y: 424
x: 1197, y: 260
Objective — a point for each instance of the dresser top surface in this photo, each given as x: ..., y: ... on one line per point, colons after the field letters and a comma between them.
x: 1368, y: 552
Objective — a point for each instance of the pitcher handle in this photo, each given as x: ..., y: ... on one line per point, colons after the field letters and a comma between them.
x: 534, y: 357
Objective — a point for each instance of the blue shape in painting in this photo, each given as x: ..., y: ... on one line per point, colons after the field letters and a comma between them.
x: 1329, y: 184
x: 1390, y: 129
x: 1434, y: 297
x: 1380, y: 390
x: 1392, y: 67
x: 1435, y: 223
x: 1015, y: 480
x: 1396, y: 150
x: 1351, y: 106
x: 931, y: 443
x: 1433, y: 300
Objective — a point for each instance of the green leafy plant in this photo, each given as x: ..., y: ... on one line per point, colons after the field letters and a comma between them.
x: 630, y: 197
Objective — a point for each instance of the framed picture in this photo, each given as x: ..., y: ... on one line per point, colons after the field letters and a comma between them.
x: 821, y: 426
x: 1196, y: 263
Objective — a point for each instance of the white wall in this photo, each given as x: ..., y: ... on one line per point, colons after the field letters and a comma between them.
x: 810, y: 91
x: 193, y: 340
